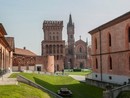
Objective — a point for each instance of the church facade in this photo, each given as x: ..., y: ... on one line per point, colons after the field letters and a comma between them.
x: 76, y: 51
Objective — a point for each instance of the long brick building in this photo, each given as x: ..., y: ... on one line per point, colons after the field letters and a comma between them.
x: 111, y: 50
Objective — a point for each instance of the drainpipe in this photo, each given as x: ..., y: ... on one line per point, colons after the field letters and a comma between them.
x: 100, y: 52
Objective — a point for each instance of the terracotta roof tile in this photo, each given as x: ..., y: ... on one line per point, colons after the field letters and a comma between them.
x: 24, y: 52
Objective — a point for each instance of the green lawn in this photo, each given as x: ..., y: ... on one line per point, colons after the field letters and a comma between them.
x: 21, y: 91
x: 53, y: 83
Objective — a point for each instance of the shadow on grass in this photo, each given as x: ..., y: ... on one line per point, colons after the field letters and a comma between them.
x: 79, y: 90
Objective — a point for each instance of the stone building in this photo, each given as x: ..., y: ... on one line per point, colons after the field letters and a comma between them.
x: 6, y: 52
x: 76, y: 51
x: 53, y: 44
x: 111, y: 50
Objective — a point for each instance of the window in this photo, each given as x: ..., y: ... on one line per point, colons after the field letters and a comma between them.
x: 95, y: 43
x: 110, y: 77
x: 53, y: 37
x: 109, y: 39
x: 80, y: 49
x: 57, y: 38
x: 57, y: 57
x: 96, y: 76
x: 110, y: 63
x: 71, y: 36
x: 129, y: 34
x: 96, y: 63
x: 50, y: 37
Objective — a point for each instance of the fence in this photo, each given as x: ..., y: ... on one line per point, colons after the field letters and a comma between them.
x: 29, y: 82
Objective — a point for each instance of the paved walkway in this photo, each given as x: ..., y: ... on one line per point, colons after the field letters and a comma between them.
x: 78, y: 77
x: 4, y: 80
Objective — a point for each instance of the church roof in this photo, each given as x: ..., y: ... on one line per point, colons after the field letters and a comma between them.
x: 80, y: 41
x: 111, y: 23
x: 10, y: 41
x: 25, y: 52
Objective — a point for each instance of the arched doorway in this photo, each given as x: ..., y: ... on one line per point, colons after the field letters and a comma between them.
x: 81, y: 65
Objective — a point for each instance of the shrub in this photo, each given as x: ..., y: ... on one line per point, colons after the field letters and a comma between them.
x: 77, y: 70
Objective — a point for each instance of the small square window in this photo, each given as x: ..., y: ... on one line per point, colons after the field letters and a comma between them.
x: 110, y: 77
x: 96, y: 76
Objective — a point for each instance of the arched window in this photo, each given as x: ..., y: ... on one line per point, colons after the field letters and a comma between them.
x: 80, y: 50
x: 95, y: 43
x: 109, y: 40
x: 96, y: 63
x: 50, y: 37
x: 54, y: 49
x: 129, y: 34
x: 57, y: 38
x: 57, y: 57
x: 110, y: 63
x: 71, y: 36
x: 53, y: 37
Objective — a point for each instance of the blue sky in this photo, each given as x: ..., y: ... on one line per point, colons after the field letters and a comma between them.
x: 23, y: 19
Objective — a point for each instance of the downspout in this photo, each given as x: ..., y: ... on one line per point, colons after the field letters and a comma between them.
x: 100, y: 52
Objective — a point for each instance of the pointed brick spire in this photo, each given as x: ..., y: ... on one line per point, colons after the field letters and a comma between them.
x: 70, y: 21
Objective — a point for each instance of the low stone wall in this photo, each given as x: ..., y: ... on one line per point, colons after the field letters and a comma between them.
x: 100, y: 84
x: 25, y: 80
x: 115, y: 92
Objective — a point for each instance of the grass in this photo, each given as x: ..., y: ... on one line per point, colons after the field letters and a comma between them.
x: 124, y: 94
x: 53, y: 83
x: 21, y: 91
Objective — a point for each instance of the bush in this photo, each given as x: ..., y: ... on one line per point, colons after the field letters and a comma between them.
x: 77, y: 70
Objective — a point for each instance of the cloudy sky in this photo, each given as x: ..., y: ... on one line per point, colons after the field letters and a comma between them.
x: 23, y: 19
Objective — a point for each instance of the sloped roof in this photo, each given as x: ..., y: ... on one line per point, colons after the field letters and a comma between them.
x: 26, y: 52
x: 80, y: 41
x: 10, y: 41
x: 2, y: 29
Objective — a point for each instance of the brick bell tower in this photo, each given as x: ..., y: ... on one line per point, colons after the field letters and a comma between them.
x: 71, y: 42
x: 53, y: 45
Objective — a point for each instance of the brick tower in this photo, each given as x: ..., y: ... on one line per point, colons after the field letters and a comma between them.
x: 71, y: 41
x: 53, y: 43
